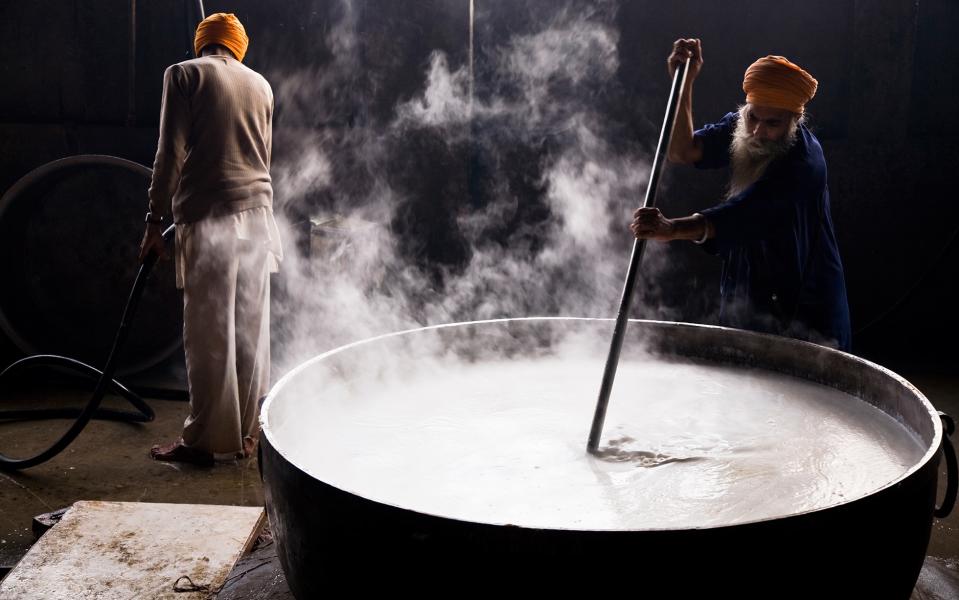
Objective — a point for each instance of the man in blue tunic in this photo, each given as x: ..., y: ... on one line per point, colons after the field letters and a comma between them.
x: 781, y: 267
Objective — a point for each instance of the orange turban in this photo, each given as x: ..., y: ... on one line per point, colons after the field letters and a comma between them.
x: 224, y: 29
x: 777, y: 83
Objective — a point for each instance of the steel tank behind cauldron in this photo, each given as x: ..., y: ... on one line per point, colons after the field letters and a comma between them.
x: 869, y: 547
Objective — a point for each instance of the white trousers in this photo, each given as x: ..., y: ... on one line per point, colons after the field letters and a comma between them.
x: 226, y: 334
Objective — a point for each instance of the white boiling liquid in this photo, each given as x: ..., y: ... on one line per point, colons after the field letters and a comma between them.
x: 686, y: 445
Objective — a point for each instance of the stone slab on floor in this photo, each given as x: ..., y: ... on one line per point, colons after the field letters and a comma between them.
x: 108, y: 550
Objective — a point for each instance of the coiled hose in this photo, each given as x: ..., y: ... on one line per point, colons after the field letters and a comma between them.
x: 105, y: 382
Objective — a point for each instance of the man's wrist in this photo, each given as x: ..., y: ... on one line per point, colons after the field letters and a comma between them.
x: 153, y: 219
x: 705, y: 236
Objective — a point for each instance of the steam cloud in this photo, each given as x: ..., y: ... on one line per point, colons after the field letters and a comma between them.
x: 511, y: 203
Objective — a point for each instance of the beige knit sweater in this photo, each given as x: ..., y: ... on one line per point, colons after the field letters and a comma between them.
x: 213, y: 157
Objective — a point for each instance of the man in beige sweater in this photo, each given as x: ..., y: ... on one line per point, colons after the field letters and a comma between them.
x: 211, y: 177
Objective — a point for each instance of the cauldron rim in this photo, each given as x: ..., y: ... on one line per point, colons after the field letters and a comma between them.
x: 928, y: 455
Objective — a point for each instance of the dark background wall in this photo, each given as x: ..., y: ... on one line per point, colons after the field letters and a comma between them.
x: 885, y: 114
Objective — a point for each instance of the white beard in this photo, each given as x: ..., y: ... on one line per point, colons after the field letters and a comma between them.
x: 750, y: 157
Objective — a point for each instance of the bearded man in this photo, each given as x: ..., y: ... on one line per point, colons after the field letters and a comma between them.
x: 781, y: 267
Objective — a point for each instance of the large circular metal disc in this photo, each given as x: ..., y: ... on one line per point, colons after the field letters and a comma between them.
x: 69, y: 233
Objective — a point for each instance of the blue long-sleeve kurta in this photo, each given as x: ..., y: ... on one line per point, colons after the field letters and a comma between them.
x: 781, y: 267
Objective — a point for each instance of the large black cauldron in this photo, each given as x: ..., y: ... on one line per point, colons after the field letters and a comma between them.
x: 870, y: 547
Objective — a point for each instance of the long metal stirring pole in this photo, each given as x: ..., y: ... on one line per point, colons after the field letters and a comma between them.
x: 639, y: 246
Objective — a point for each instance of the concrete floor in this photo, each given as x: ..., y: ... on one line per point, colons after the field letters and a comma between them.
x: 109, y: 461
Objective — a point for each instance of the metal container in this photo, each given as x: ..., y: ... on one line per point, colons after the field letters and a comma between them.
x: 869, y: 547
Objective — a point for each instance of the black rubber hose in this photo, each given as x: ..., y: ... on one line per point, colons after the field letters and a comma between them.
x: 144, y: 414
x: 105, y: 382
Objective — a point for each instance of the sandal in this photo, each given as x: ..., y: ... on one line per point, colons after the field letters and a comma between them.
x: 249, y: 447
x: 179, y: 452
